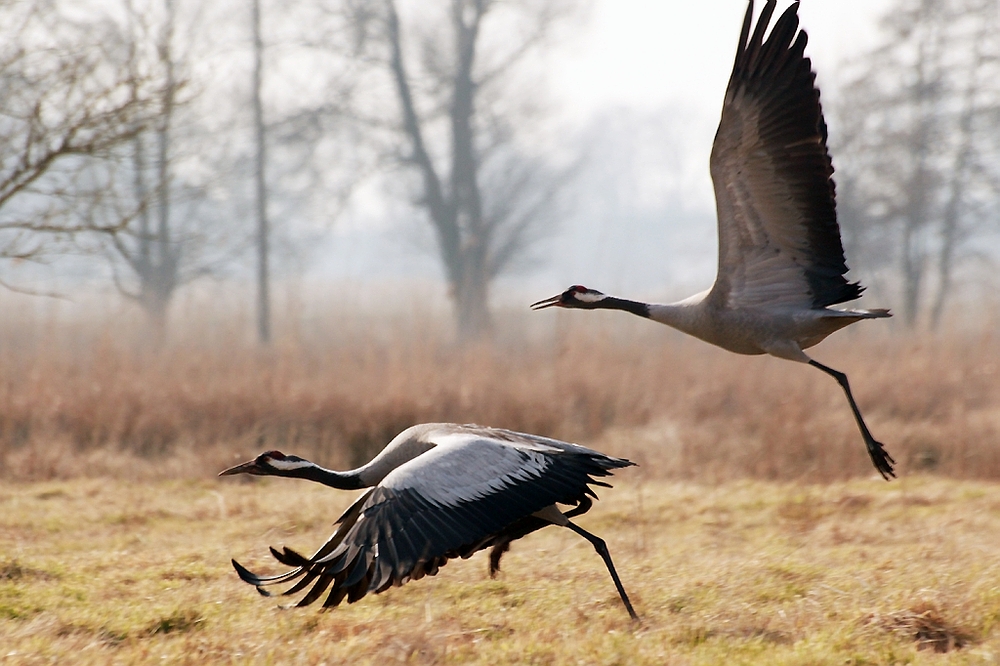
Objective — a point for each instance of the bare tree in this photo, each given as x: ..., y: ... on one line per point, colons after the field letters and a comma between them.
x: 68, y: 101
x: 178, y: 232
x: 919, y: 167
x: 971, y: 196
x: 152, y: 255
x: 485, y: 197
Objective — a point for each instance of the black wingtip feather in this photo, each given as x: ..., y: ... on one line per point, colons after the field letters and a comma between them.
x: 777, y: 73
x: 258, y: 581
x: 295, y: 559
x: 245, y: 574
x: 744, y: 35
x: 289, y: 557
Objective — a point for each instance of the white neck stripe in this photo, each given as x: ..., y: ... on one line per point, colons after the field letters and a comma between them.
x: 288, y: 465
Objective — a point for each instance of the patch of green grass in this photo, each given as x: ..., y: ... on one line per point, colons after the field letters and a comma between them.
x: 12, y: 612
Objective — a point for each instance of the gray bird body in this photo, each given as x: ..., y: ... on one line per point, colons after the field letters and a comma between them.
x: 781, y: 260
x: 777, y: 330
x: 437, y: 491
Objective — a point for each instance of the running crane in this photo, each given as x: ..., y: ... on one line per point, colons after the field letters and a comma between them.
x: 781, y: 260
x: 437, y: 491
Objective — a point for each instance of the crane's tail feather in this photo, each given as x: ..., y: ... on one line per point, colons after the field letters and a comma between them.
x: 875, y: 313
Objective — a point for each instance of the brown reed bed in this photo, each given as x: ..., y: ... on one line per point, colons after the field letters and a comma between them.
x: 91, y: 399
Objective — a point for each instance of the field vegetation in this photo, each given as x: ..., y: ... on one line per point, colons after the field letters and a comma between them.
x: 95, y: 400
x: 748, y: 572
x: 754, y: 530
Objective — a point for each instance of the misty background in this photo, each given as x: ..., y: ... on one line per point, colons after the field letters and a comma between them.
x: 464, y: 156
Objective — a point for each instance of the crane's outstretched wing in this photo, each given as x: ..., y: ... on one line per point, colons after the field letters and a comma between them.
x: 457, y: 498
x: 779, y: 242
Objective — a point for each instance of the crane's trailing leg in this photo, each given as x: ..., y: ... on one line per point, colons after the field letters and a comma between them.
x: 602, y: 550
x: 880, y: 457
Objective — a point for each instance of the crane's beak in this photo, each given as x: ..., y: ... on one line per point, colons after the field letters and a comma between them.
x: 548, y: 303
x: 250, y: 467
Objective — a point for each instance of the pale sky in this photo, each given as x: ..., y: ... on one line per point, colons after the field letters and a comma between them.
x: 647, y: 53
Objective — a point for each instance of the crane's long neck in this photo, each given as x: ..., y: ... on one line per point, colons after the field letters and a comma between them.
x: 613, y: 303
x: 328, y: 477
x: 404, y: 447
x: 684, y: 316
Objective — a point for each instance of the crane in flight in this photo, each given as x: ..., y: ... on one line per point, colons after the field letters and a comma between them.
x: 781, y: 259
x: 437, y: 491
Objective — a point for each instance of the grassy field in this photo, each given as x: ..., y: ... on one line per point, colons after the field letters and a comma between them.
x: 749, y: 572
x: 752, y: 532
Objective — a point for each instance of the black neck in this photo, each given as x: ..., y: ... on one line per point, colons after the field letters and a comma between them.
x: 341, y: 480
x: 612, y: 303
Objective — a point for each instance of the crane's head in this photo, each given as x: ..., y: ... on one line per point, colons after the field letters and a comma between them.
x: 269, y: 463
x: 576, y: 296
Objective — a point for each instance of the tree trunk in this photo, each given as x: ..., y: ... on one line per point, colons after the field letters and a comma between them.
x: 474, y: 241
x: 263, y: 268
x: 160, y: 271
x: 457, y: 219
x: 470, y: 293
x: 913, y: 272
x: 155, y: 304
x: 949, y: 235
x: 141, y: 262
x: 919, y: 201
x: 471, y: 298
x: 959, y: 174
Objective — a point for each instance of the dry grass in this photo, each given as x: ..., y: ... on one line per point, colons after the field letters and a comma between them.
x: 78, y: 401
x: 926, y: 625
x: 751, y: 572
x: 723, y: 569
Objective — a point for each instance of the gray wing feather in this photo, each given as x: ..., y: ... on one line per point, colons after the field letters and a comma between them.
x: 466, y: 467
x: 779, y: 242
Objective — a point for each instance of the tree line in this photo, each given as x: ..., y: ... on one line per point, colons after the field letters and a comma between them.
x: 175, y: 140
x: 918, y: 152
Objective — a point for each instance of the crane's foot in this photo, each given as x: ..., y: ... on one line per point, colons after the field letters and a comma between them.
x: 880, y: 458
